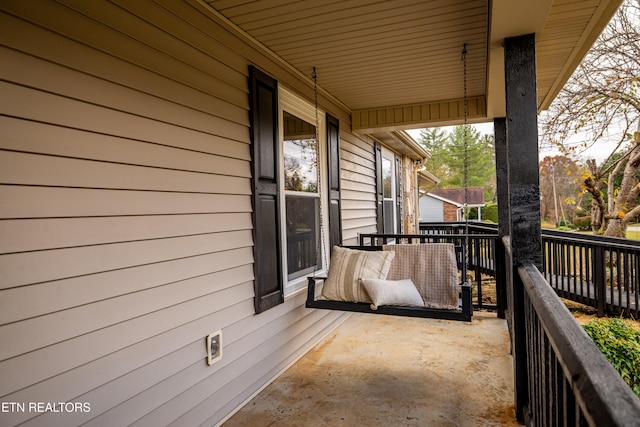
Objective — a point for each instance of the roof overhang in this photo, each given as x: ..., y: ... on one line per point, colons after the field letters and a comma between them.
x: 509, y: 18
x: 401, y: 142
x: 426, y: 178
x: 397, y: 65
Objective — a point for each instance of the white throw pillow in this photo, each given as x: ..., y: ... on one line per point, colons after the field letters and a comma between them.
x: 392, y: 292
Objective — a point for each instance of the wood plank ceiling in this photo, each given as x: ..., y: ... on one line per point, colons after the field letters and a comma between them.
x: 397, y: 64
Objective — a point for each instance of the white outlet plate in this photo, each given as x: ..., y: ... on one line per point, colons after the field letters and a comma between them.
x: 214, y: 347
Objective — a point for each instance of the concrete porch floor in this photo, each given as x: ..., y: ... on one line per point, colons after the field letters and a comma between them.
x: 393, y: 371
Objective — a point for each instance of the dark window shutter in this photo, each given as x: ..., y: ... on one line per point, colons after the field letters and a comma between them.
x: 399, y: 194
x: 333, y: 158
x: 263, y: 115
x: 379, y: 190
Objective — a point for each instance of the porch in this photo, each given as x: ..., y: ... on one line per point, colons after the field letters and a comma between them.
x: 131, y: 230
x: 396, y: 371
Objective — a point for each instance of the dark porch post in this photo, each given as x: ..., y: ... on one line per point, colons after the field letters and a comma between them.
x: 502, y: 183
x: 524, y: 192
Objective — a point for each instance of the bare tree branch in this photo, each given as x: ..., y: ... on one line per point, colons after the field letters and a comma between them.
x: 603, y: 96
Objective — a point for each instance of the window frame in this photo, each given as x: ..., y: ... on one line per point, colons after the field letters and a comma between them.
x: 295, y: 105
x: 390, y: 157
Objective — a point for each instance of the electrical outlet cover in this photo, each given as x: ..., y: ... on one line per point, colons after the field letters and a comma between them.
x: 214, y: 347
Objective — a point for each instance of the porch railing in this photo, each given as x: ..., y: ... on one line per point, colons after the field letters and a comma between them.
x: 481, y: 250
x: 597, y: 271
x: 600, y: 272
x: 569, y: 381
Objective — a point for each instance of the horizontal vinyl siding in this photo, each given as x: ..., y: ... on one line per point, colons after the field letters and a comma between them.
x: 270, y: 344
x: 431, y: 210
x: 125, y: 217
x: 358, y: 187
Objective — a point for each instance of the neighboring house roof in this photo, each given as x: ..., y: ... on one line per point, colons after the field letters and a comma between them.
x: 457, y: 196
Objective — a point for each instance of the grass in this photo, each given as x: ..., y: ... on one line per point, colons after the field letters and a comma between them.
x: 633, y: 234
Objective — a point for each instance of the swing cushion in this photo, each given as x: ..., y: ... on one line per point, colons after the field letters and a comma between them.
x: 433, y: 269
x: 392, y: 292
x: 348, y: 267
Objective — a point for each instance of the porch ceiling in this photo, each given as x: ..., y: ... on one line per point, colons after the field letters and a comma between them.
x: 397, y: 64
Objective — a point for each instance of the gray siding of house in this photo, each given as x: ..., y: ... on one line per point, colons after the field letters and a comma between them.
x: 431, y: 210
x: 358, y: 192
x: 125, y: 215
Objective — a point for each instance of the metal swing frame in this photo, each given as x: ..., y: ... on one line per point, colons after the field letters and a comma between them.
x: 465, y: 306
x: 463, y: 313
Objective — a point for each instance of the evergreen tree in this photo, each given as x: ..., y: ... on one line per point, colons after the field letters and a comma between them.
x: 435, y: 140
x: 447, y: 160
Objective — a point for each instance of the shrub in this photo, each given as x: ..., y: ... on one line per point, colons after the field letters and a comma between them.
x: 566, y: 224
x: 490, y: 212
x: 582, y: 223
x: 619, y: 341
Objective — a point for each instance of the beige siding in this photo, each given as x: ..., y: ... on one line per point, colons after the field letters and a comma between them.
x: 429, y: 114
x: 125, y: 215
x: 358, y: 187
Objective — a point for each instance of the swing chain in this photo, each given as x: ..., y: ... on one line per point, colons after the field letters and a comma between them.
x: 320, y: 253
x: 466, y: 156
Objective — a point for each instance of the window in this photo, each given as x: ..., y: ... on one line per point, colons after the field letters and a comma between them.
x: 303, y: 165
x: 390, y: 193
x: 302, y: 197
x: 296, y: 189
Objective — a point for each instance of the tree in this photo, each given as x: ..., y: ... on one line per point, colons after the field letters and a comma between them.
x: 434, y: 140
x: 602, y: 99
x: 447, y: 160
x: 558, y: 179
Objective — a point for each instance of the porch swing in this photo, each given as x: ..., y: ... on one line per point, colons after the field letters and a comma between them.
x: 426, y: 280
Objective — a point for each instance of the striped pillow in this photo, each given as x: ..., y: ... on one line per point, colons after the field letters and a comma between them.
x: 348, y: 266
